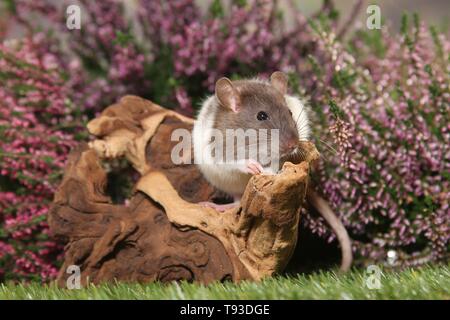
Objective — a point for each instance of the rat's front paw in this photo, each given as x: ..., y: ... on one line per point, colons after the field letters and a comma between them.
x: 252, y: 167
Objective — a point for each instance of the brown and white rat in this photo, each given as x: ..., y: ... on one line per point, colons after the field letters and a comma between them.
x: 247, y: 104
x: 256, y: 104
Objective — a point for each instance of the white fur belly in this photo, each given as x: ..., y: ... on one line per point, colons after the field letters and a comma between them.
x: 229, y: 180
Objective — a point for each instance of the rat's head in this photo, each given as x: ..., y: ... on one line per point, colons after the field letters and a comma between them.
x: 255, y: 104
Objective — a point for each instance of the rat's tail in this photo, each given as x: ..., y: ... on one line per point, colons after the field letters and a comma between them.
x: 327, y: 213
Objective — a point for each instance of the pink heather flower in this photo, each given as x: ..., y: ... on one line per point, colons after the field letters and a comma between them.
x: 387, y: 178
x: 33, y: 151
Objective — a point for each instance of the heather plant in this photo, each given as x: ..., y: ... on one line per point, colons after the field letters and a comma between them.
x: 385, y: 104
x: 379, y: 105
x: 37, y: 132
x: 170, y: 51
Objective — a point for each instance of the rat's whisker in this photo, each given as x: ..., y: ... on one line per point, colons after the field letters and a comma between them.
x: 298, y: 117
x: 303, y: 132
x: 327, y: 149
x: 324, y: 157
x: 328, y: 145
x: 304, y: 126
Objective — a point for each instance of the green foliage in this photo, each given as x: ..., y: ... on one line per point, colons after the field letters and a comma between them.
x: 424, y: 283
x: 216, y: 9
x: 123, y: 38
x: 337, y: 112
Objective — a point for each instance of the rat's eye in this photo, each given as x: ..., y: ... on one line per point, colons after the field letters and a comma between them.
x: 262, y: 116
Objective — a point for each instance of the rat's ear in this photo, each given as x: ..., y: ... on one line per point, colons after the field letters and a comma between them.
x: 279, y: 80
x: 227, y: 94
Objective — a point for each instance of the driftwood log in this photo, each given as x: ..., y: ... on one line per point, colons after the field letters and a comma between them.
x: 162, y: 233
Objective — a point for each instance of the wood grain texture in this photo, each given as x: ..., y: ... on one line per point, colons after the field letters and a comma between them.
x: 163, y: 234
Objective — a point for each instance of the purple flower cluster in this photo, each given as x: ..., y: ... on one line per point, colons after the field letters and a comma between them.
x: 34, y: 115
x: 157, y: 49
x: 107, y: 63
x: 388, y: 117
x: 241, y: 40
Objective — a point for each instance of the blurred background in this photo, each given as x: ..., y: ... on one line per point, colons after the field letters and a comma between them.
x: 433, y: 11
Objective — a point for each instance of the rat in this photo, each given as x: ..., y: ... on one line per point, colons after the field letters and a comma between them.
x: 246, y: 104
x: 256, y: 104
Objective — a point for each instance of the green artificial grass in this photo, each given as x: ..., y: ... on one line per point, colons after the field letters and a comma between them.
x: 431, y: 282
